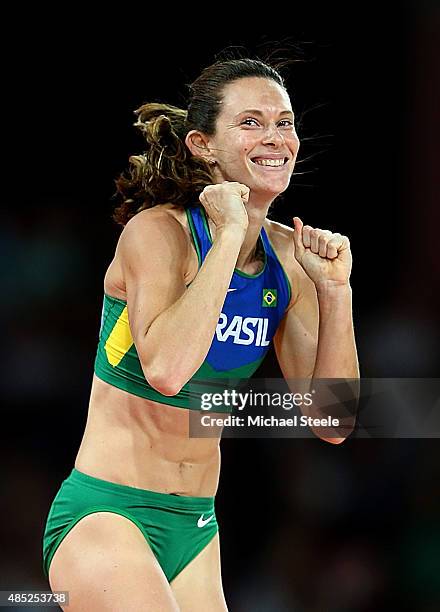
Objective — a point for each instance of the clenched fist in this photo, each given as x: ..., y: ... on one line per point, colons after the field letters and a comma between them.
x: 225, y: 204
x: 323, y: 255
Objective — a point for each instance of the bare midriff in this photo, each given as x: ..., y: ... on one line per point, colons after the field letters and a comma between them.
x: 145, y: 444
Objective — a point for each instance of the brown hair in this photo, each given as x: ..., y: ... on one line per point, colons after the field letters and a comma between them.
x: 167, y: 171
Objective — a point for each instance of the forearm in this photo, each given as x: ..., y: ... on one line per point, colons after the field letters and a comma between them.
x: 336, y: 355
x: 179, y: 338
x: 336, y: 358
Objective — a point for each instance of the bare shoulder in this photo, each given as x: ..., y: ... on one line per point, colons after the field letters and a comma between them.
x: 281, y: 237
x: 279, y: 234
x: 154, y: 230
x: 152, y: 233
x: 157, y: 219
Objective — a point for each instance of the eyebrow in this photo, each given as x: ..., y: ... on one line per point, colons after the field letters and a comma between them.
x: 255, y: 111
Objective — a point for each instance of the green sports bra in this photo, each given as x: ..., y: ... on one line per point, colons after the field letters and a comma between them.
x: 253, y: 308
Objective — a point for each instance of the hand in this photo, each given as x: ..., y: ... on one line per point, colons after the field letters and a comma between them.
x: 325, y: 257
x: 224, y: 203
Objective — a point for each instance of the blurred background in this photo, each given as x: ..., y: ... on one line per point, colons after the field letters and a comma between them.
x: 351, y: 528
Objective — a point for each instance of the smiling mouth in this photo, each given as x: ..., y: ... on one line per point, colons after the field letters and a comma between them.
x: 270, y: 163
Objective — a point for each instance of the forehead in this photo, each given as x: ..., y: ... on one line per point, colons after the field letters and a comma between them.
x: 254, y: 92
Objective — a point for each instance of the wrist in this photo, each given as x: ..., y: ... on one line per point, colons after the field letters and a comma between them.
x: 331, y: 288
x: 235, y: 230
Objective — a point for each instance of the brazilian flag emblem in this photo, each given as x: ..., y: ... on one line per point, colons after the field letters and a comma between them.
x: 269, y: 298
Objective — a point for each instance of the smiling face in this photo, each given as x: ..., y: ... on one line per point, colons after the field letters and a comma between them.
x: 255, y: 142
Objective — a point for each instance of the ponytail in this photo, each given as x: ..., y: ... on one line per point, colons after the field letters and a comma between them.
x: 166, y: 171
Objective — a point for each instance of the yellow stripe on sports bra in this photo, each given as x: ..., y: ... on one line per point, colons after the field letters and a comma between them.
x: 120, y: 340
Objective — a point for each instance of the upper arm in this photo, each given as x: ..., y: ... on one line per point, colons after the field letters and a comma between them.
x: 153, y: 250
x: 296, y: 339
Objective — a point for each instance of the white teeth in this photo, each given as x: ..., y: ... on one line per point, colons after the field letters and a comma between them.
x: 269, y: 162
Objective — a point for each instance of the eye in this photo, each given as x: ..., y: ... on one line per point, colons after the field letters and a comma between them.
x: 249, y: 121
x: 286, y: 123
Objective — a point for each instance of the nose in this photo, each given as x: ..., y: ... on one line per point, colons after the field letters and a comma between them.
x: 273, y: 136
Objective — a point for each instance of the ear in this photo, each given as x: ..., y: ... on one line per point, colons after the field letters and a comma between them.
x: 198, y: 144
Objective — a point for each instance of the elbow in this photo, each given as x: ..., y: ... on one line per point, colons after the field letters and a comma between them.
x: 164, y: 382
x: 334, y: 440
x: 166, y: 374
x: 165, y: 385
x: 337, y: 439
x: 348, y: 430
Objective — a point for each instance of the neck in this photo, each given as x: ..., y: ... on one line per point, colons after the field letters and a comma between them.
x: 257, y: 208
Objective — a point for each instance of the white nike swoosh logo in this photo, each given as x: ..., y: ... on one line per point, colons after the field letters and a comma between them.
x: 202, y: 522
x: 232, y: 290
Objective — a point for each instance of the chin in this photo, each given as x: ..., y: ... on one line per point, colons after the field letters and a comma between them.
x: 271, y: 190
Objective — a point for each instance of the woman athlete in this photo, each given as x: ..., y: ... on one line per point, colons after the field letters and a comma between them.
x: 201, y: 283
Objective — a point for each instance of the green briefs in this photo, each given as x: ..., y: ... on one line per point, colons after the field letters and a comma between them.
x: 176, y: 527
